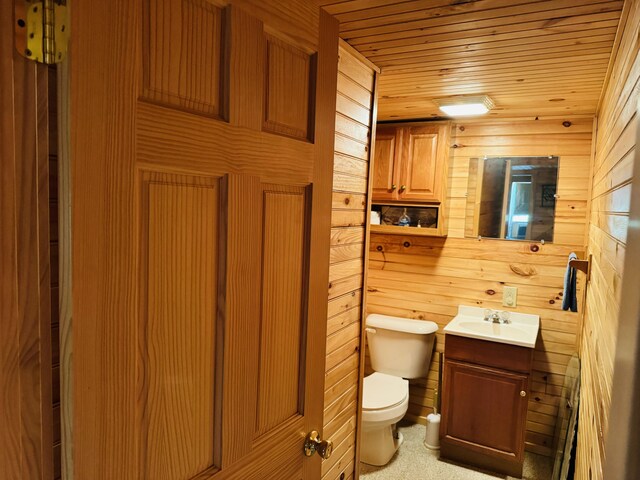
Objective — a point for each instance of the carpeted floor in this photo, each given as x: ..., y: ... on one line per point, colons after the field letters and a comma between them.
x: 414, y: 461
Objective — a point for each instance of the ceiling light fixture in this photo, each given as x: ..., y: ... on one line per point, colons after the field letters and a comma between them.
x: 463, y: 106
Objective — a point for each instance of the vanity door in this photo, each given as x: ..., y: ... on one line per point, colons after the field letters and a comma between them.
x: 484, y: 410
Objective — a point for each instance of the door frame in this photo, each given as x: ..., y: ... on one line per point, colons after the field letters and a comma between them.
x: 65, y: 264
x: 622, y: 461
x: 26, y: 413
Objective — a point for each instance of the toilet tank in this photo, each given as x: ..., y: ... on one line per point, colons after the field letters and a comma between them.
x: 400, y: 346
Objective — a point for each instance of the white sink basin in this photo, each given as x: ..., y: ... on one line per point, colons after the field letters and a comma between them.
x: 522, y: 329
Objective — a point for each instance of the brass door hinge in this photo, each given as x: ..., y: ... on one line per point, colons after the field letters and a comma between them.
x: 42, y: 30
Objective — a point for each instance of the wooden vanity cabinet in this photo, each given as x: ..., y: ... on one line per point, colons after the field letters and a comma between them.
x: 411, y: 163
x: 484, y: 403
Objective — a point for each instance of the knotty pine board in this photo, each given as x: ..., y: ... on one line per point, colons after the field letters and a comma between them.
x: 355, y: 101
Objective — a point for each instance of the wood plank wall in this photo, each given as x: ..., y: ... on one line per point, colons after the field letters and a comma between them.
x: 430, y: 277
x: 355, y: 104
x: 612, y: 177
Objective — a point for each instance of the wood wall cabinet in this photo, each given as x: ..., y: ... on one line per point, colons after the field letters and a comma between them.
x: 484, y: 403
x: 411, y: 163
x: 386, y: 169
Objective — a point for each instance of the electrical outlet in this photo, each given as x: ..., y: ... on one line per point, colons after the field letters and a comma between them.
x: 510, y: 296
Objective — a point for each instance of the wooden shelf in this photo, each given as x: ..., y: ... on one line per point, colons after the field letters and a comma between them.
x: 396, y: 230
x: 429, y: 214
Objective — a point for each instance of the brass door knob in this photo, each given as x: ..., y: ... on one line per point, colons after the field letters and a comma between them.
x: 403, y: 188
x: 523, y: 393
x: 393, y: 187
x: 313, y: 444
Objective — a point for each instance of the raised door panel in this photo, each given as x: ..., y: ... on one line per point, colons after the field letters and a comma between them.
x: 179, y: 250
x: 484, y: 410
x: 386, y: 163
x: 289, y: 89
x: 283, y: 320
x: 182, y: 54
x: 422, y: 174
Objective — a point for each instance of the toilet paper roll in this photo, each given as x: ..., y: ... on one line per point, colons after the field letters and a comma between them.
x: 432, y: 435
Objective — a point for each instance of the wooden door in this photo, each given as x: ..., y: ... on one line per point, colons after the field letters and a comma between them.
x: 202, y: 142
x: 386, y: 167
x: 423, y: 173
x: 483, y: 409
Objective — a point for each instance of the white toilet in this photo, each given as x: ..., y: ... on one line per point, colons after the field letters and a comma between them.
x: 399, y: 348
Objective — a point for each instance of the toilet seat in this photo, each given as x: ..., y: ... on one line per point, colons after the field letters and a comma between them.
x: 383, y: 391
x: 385, y: 399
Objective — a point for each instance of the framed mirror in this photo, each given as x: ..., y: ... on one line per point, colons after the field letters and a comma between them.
x: 512, y: 198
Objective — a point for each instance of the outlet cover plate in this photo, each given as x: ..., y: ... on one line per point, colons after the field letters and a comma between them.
x: 510, y: 296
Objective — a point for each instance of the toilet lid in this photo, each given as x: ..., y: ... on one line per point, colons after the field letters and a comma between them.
x: 383, y: 391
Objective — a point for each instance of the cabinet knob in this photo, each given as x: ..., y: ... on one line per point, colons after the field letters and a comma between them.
x: 403, y: 188
x: 523, y: 393
x: 394, y: 186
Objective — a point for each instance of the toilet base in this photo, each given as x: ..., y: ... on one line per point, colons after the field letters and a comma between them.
x: 379, y: 445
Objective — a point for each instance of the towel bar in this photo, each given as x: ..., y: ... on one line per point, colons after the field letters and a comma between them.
x: 583, y: 266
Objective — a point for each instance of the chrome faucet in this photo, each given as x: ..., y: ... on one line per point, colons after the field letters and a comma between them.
x: 495, y: 316
x: 491, y: 316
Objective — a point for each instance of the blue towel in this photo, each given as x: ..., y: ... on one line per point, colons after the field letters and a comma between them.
x: 569, y: 297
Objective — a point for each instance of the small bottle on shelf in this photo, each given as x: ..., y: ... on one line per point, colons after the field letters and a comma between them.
x: 404, y: 220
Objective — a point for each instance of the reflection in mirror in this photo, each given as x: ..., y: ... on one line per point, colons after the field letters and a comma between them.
x: 512, y: 198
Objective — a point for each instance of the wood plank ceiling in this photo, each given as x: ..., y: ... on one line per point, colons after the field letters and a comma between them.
x: 532, y: 57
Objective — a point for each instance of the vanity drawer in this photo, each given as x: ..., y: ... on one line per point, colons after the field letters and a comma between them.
x: 491, y: 354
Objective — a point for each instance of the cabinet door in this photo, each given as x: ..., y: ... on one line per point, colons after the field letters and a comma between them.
x: 386, y: 163
x: 425, y: 158
x: 484, y: 409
